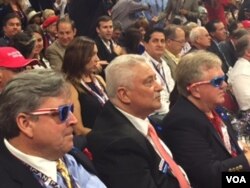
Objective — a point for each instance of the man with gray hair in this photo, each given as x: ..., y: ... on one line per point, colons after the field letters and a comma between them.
x: 202, y: 140
x: 124, y: 150
x: 199, y: 38
x: 36, y: 127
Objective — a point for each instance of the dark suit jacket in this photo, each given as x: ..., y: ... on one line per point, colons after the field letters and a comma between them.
x: 229, y: 52
x: 122, y: 156
x: 197, y: 147
x: 215, y: 49
x: 14, y: 174
x: 103, y: 52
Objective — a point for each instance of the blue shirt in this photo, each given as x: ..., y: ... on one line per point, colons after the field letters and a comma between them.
x: 81, y: 177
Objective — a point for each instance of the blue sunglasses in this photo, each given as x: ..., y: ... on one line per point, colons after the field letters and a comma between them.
x: 62, y: 111
x: 216, y: 82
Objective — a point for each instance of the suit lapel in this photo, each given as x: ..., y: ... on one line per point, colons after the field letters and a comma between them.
x: 207, y: 123
x: 17, y: 171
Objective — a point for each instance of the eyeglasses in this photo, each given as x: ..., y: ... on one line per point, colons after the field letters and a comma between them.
x: 63, y: 111
x: 216, y: 82
x: 180, y: 42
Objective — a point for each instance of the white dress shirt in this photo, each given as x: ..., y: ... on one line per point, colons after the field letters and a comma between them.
x: 142, y: 126
x: 239, y: 78
x: 81, y: 177
x: 167, y: 83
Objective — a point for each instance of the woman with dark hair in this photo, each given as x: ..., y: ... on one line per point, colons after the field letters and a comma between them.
x: 38, y: 50
x: 30, y: 46
x: 88, y: 89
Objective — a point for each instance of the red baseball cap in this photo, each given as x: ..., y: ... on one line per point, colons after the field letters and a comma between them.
x: 246, y: 24
x: 50, y: 20
x: 11, y: 58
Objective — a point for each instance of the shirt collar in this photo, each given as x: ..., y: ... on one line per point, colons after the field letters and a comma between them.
x: 140, y: 124
x: 150, y: 58
x: 176, y: 59
x: 43, y: 165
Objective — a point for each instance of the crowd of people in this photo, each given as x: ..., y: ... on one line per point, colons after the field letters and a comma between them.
x: 123, y: 93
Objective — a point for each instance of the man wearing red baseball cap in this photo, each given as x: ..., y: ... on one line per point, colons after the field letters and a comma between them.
x: 50, y: 31
x: 11, y: 62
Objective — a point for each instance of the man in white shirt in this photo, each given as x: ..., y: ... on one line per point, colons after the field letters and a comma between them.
x: 154, y: 43
x: 124, y: 152
x: 37, y: 132
x: 239, y: 76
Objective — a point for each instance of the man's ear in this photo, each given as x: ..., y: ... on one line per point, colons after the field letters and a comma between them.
x: 97, y: 30
x: 195, y: 92
x: 75, y: 31
x: 123, y: 95
x: 25, y: 124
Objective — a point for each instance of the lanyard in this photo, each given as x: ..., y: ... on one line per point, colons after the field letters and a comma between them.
x: 42, y: 178
x: 101, y: 96
x: 46, y: 181
x: 162, y: 75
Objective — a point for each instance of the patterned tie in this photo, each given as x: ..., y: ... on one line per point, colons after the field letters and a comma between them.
x: 173, y: 166
x: 64, y: 172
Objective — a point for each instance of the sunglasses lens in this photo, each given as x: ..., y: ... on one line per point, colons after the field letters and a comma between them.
x: 218, y: 81
x: 64, y: 112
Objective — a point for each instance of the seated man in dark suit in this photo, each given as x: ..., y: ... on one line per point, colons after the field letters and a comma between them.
x: 107, y: 48
x: 126, y: 150
x: 36, y: 127
x: 200, y: 141
x: 218, y: 33
x: 228, y: 46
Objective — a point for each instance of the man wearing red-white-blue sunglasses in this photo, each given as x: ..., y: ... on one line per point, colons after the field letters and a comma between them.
x: 201, y: 140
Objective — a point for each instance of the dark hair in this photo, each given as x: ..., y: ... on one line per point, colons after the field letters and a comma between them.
x: 131, y: 40
x: 103, y: 18
x: 24, y: 42
x: 232, y: 26
x: 141, y: 22
x: 78, y: 53
x: 210, y: 26
x: 150, y: 31
x: 34, y: 28
x: 170, y: 31
x: 10, y: 16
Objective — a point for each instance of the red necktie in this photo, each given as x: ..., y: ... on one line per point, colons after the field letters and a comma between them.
x: 218, y: 123
x: 173, y: 166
